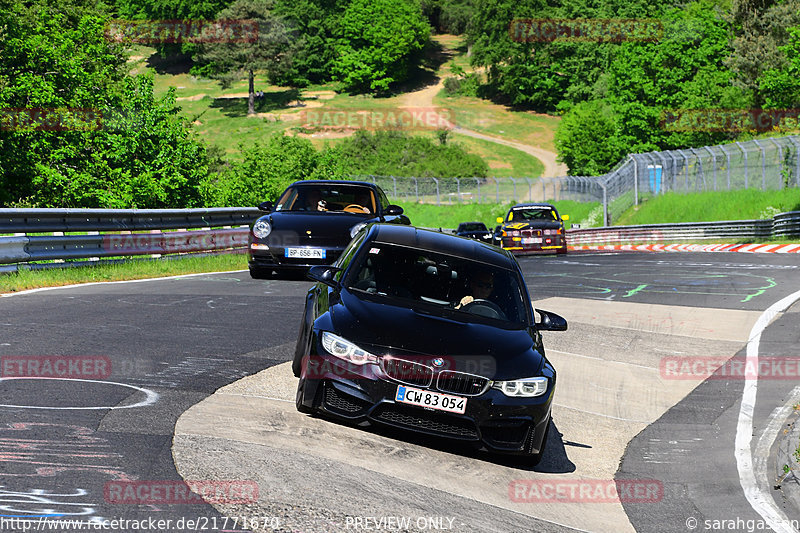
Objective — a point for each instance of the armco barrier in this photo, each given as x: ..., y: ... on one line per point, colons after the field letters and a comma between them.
x: 782, y: 225
x: 27, y: 244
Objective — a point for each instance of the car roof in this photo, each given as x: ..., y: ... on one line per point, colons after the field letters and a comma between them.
x: 542, y: 205
x: 445, y: 243
x: 334, y: 182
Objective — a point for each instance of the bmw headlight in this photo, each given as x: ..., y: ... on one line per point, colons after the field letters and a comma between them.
x: 261, y: 228
x: 522, y: 388
x: 344, y: 349
x: 355, y: 229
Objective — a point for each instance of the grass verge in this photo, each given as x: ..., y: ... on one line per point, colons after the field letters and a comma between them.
x: 128, y: 270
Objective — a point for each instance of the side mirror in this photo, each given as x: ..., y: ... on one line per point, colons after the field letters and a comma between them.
x: 393, y: 210
x: 565, y: 217
x: 551, y: 321
x: 324, y: 274
x: 265, y: 206
x: 499, y: 220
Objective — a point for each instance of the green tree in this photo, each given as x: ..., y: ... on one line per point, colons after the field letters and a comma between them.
x: 271, y: 50
x: 376, y: 43
x: 780, y: 88
x: 135, y: 152
x: 587, y: 140
x: 266, y: 170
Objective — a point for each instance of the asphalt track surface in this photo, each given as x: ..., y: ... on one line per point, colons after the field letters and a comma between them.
x: 182, y: 339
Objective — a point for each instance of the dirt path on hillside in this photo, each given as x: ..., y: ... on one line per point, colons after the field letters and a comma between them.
x: 424, y: 98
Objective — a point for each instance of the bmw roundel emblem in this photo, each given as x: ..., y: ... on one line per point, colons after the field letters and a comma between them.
x: 438, y: 362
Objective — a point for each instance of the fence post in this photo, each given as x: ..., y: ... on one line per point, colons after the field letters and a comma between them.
x: 780, y: 162
x: 394, y: 183
x: 478, y: 183
x: 763, y: 165
x: 702, y: 172
x: 686, y: 174
x: 635, y: 179
x: 605, y: 204
x: 796, y: 157
x: 530, y: 189
x: 514, y: 183
x: 438, y: 202
x: 744, y: 152
x: 416, y: 187
x: 727, y: 164
x: 714, y: 164
x: 497, y: 189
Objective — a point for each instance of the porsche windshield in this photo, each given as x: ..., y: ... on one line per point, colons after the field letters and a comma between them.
x: 331, y: 198
x: 442, y: 282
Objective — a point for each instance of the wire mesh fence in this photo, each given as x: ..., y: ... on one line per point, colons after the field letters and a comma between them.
x: 767, y: 164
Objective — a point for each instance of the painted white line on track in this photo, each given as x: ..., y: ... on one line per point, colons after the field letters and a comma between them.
x: 40, y: 289
x: 759, y: 500
x: 150, y: 396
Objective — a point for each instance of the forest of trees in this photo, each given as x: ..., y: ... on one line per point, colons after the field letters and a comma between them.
x: 612, y: 94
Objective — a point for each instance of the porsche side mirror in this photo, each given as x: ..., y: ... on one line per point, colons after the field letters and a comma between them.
x: 551, y: 321
x: 393, y: 210
x: 324, y: 274
x: 265, y: 206
x: 565, y: 217
x: 499, y: 220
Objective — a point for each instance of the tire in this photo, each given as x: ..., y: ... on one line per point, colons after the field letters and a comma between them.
x: 297, y: 399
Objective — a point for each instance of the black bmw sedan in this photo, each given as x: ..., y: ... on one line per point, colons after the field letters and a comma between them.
x: 312, y: 222
x: 431, y: 333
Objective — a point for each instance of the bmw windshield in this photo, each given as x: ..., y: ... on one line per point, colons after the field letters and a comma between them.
x: 442, y: 284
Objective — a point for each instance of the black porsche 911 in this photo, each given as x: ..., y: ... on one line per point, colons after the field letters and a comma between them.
x: 431, y: 333
x: 312, y: 222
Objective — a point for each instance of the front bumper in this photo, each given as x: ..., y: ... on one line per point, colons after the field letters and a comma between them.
x: 492, y: 421
x: 275, y: 258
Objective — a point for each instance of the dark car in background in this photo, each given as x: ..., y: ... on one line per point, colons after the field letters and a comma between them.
x: 532, y: 228
x: 474, y: 230
x: 312, y: 222
x: 430, y: 333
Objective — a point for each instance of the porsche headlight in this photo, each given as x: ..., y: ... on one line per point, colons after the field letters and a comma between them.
x: 355, y: 229
x: 261, y: 228
x: 346, y: 350
x: 522, y: 388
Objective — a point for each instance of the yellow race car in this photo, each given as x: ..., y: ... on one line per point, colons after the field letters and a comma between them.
x: 531, y: 229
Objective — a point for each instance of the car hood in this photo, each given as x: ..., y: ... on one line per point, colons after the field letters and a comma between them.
x: 318, y: 223
x: 479, y: 348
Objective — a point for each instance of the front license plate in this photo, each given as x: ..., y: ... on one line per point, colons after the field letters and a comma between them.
x: 432, y: 400
x: 306, y: 253
x: 532, y: 240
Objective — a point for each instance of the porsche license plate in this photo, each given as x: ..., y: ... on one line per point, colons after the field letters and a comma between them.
x: 430, y: 399
x: 531, y: 240
x: 306, y: 253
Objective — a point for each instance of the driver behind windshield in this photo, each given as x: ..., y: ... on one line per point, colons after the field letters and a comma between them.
x: 481, y: 285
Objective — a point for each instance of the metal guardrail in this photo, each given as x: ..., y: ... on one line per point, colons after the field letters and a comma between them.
x: 782, y: 225
x: 118, y: 238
